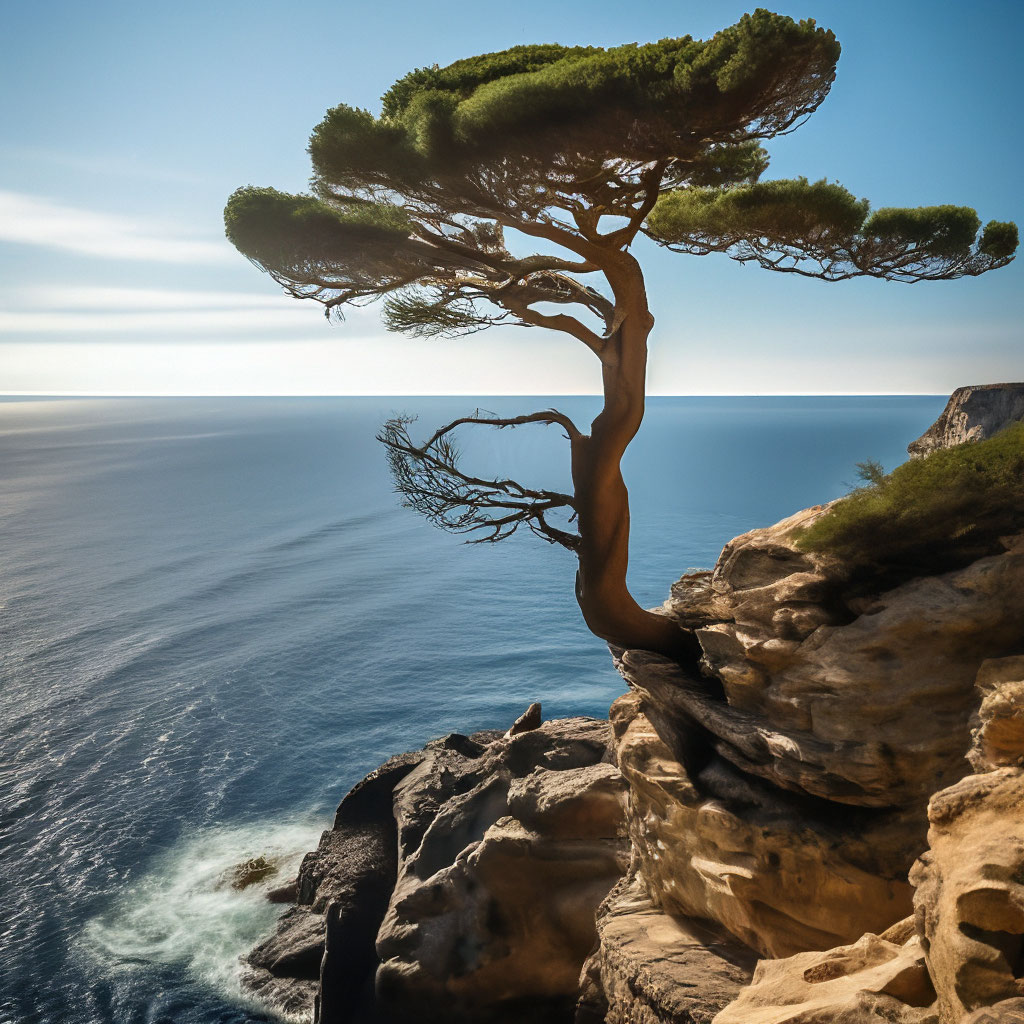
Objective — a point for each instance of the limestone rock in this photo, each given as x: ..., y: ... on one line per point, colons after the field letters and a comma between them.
x: 997, y: 734
x: 871, y: 981
x: 970, y: 893
x: 652, y: 968
x: 972, y: 414
x: 781, y: 873
x: 820, y: 692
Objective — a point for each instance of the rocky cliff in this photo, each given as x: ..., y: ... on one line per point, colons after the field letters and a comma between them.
x: 820, y: 819
x: 782, y: 792
x: 972, y: 414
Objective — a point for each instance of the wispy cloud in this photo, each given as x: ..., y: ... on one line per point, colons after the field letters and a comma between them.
x: 142, y: 313
x: 34, y: 220
x: 166, y: 322
x: 76, y: 297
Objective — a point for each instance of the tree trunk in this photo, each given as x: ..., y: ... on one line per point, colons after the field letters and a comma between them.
x: 602, y: 500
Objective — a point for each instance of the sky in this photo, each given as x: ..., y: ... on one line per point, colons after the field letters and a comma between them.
x: 126, y: 125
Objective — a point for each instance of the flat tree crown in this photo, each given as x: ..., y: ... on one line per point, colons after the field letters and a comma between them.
x: 663, y: 137
x: 576, y: 151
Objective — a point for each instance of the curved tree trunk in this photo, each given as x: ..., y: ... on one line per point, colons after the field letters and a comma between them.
x: 602, y: 501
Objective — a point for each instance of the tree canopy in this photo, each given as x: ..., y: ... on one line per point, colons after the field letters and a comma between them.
x: 411, y: 206
x: 580, y: 149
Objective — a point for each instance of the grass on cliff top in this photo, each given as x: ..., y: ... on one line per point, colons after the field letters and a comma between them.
x: 929, y: 514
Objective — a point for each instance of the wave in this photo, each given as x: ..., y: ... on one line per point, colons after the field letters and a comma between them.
x: 184, y: 910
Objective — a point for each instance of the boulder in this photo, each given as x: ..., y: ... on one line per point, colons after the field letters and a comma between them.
x: 871, y: 981
x: 969, y: 902
x: 492, y: 913
x: 972, y: 414
x: 655, y: 968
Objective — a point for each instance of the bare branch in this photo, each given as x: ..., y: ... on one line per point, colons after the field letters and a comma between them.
x: 431, y: 482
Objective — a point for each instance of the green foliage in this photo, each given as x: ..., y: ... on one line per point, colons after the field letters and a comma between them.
x: 929, y: 513
x: 671, y: 99
x: 727, y: 165
x: 429, y: 313
x: 282, y: 231
x: 787, y: 210
x: 462, y: 77
x: 936, y: 230
x: 871, y: 472
x: 353, y: 143
x: 999, y: 239
x: 822, y: 230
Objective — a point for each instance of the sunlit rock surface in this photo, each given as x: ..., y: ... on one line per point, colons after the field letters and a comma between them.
x: 781, y: 874
x: 870, y: 981
x: 970, y: 892
x: 651, y: 966
x: 822, y: 693
x: 780, y: 790
x: 997, y: 734
x: 972, y: 414
x: 503, y: 861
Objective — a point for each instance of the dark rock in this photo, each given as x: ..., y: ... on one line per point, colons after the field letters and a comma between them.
x: 295, y: 949
x: 476, y: 864
x: 342, y: 892
x: 284, y: 893
x: 503, y: 861
x: 252, y: 872
x: 529, y: 719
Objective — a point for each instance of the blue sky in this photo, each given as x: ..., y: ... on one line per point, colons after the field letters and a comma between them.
x: 126, y: 125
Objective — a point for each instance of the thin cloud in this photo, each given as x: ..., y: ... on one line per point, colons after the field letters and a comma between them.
x: 111, y: 299
x: 33, y: 220
x: 167, y: 322
x: 80, y: 313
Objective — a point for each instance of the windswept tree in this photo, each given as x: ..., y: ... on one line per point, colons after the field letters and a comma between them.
x: 577, y: 150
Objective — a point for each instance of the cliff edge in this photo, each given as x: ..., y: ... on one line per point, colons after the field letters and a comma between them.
x: 972, y: 414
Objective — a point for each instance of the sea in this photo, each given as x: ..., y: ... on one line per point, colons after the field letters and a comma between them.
x: 217, y: 617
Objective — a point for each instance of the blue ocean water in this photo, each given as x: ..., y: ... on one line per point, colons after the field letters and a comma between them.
x: 217, y: 618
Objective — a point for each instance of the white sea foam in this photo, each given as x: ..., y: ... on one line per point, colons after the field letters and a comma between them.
x: 184, y: 911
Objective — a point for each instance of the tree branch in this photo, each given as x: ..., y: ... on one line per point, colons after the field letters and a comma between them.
x: 431, y: 482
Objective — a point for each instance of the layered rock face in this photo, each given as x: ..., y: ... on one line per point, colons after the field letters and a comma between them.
x: 651, y: 967
x: 960, y: 958
x: 781, y: 793
x: 823, y: 692
x: 972, y: 414
x: 459, y: 882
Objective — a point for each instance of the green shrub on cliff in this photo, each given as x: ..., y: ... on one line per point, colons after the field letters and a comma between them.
x: 930, y: 513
